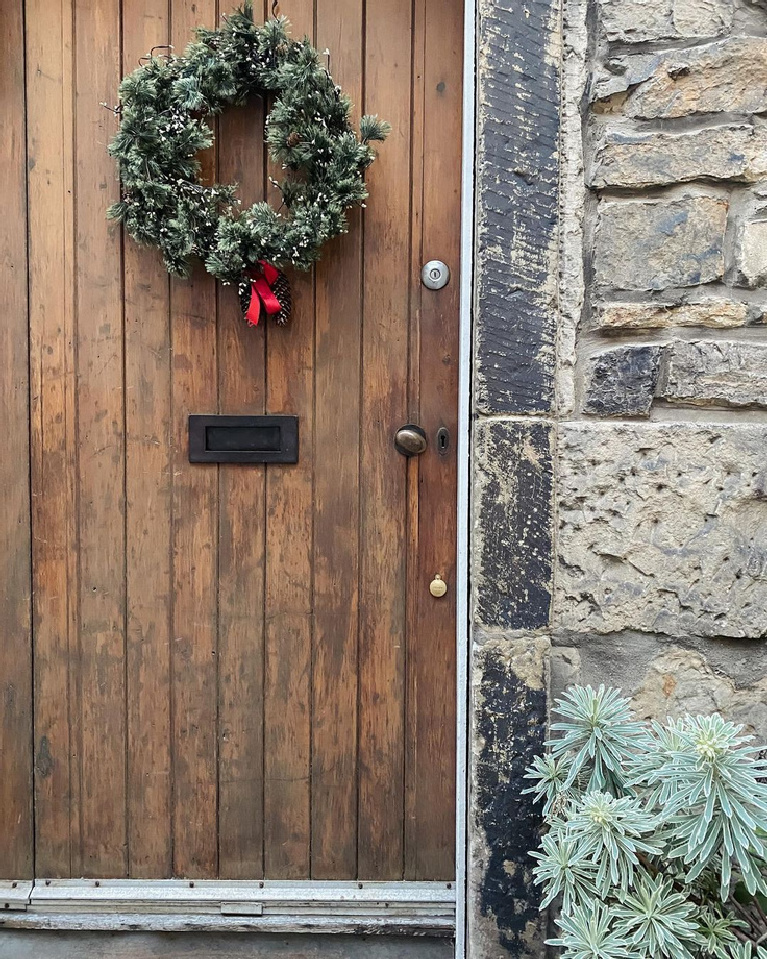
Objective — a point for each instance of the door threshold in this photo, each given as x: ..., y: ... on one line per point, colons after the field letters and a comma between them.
x: 283, y: 906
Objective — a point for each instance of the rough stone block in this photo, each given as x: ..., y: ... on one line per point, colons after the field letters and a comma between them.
x: 629, y: 159
x: 637, y: 21
x: 622, y: 381
x: 752, y: 254
x: 653, y: 244
x: 512, y: 532
x: 634, y: 21
x: 510, y: 681
x: 665, y: 678
x: 679, y: 681
x: 663, y: 529
x: 716, y: 314
x: 702, y: 18
x: 706, y: 371
x: 729, y: 76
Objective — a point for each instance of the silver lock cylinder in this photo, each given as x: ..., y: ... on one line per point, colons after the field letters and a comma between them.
x: 435, y: 274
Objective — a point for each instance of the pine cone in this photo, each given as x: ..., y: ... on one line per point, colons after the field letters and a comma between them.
x: 281, y: 288
x: 294, y: 139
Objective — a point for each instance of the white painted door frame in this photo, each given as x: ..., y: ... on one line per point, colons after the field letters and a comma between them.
x: 463, y: 584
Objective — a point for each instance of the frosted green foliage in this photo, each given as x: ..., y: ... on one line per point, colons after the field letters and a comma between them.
x: 712, y: 799
x: 609, y: 833
x: 657, y: 920
x: 745, y: 950
x: 599, y: 733
x: 656, y: 841
x: 563, y: 870
x: 588, y: 933
x: 163, y: 110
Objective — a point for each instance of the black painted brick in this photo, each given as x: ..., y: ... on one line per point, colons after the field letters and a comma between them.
x: 513, y: 509
x: 517, y: 198
x: 623, y: 381
x: 511, y: 722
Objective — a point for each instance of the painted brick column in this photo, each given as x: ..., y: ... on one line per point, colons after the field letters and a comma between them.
x: 517, y: 183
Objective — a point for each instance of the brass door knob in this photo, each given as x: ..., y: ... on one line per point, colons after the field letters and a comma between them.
x: 410, y: 440
x: 437, y: 587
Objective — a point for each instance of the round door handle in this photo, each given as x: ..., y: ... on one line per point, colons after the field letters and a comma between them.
x: 410, y: 440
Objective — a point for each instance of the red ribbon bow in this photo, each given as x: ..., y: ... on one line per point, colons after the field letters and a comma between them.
x: 261, y: 292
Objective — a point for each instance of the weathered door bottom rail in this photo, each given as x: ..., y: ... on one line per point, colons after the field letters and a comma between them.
x: 392, y: 908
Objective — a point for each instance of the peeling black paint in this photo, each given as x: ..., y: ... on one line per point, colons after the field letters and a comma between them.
x: 511, y: 723
x: 623, y: 381
x: 513, y: 466
x: 517, y: 183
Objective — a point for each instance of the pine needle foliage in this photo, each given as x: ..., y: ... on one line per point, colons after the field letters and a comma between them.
x: 164, y: 106
x: 656, y: 835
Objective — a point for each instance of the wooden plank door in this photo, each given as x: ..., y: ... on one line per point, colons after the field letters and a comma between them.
x: 226, y: 671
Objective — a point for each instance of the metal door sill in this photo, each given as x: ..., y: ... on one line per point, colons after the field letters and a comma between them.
x: 175, y: 905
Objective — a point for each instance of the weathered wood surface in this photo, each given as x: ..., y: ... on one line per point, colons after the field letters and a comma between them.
x: 53, y: 433
x: 16, y: 848
x: 194, y: 510
x: 138, y: 945
x: 100, y: 411
x: 431, y: 646
x: 148, y: 485
x: 238, y: 671
x: 383, y: 513
x: 338, y: 308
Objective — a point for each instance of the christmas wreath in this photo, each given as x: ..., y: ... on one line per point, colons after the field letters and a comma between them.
x: 163, y: 106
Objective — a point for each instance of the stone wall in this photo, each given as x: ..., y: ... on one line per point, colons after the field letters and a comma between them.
x: 660, y: 572
x: 620, y: 389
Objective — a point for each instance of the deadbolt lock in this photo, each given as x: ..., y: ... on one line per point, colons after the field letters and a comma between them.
x: 435, y: 274
x: 437, y: 587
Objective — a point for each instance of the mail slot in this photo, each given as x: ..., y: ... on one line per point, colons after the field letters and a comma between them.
x: 243, y: 439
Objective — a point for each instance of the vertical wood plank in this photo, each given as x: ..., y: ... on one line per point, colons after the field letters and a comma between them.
x: 384, y: 408
x: 336, y: 500
x: 287, y: 688
x: 16, y: 849
x: 241, y: 541
x: 101, y: 474
x: 148, y: 485
x: 432, y: 652
x: 195, y: 546
x: 414, y: 410
x: 53, y: 449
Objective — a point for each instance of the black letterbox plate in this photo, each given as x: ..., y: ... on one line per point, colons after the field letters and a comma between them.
x: 243, y: 439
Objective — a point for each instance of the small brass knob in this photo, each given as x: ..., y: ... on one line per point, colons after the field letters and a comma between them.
x: 437, y: 587
x: 410, y: 440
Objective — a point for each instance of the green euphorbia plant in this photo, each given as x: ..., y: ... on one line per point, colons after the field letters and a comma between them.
x: 656, y: 835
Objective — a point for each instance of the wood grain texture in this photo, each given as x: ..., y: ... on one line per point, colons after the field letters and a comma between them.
x: 101, y: 452
x: 238, y: 671
x: 336, y: 501
x: 430, y: 836
x: 288, y: 601
x: 16, y: 848
x: 195, y: 546
x: 195, y: 945
x: 52, y: 431
x: 148, y: 519
x: 241, y: 492
x: 383, y: 512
